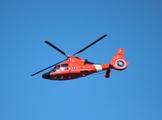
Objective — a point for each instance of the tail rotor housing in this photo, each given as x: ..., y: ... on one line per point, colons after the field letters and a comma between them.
x: 117, y: 62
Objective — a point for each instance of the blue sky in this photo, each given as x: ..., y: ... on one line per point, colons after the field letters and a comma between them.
x: 132, y: 94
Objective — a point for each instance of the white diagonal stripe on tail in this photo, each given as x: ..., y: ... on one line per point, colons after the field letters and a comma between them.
x: 98, y: 68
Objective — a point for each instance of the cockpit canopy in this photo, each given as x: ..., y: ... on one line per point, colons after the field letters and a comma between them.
x: 65, y: 66
x: 60, y: 67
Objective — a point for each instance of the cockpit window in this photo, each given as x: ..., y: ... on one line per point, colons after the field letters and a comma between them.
x: 64, y: 65
x: 54, y: 69
x: 58, y: 67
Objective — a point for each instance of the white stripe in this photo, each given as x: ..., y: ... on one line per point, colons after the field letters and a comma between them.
x: 98, y: 68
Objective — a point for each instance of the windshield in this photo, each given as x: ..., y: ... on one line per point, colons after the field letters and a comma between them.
x: 54, y: 69
x: 60, y: 67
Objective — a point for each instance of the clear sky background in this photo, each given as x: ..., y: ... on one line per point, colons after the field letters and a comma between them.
x: 132, y: 94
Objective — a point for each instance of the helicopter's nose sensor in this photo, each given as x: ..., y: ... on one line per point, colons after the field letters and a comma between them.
x: 46, y: 75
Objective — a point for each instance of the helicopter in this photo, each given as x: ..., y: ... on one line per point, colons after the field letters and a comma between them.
x: 75, y: 67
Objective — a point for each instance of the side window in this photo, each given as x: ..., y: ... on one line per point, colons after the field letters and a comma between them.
x: 64, y: 66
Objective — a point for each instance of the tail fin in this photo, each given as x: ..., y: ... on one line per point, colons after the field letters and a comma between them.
x: 117, y: 62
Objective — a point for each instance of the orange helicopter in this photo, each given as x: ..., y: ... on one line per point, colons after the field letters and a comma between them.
x: 74, y: 67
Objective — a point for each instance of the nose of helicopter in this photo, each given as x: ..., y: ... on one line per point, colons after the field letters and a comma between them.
x: 46, y: 75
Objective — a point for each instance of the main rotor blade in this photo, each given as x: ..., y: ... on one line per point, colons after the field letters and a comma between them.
x: 50, y: 44
x: 46, y: 68
x: 90, y: 44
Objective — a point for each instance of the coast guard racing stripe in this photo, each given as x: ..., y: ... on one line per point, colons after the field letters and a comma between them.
x: 98, y: 68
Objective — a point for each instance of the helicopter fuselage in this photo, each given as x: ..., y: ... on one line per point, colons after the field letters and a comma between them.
x: 74, y: 67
